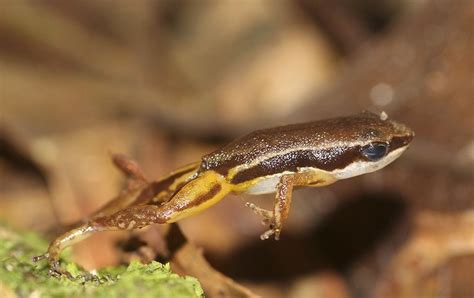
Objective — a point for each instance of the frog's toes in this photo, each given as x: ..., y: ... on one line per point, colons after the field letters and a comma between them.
x: 272, y: 231
x: 55, y: 270
x: 268, y: 220
x: 266, y: 235
x: 266, y: 214
x: 54, y: 267
x: 40, y: 257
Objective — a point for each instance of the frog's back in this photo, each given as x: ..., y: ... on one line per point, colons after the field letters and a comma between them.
x: 270, y: 142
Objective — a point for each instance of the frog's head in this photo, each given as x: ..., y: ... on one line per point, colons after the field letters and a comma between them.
x: 375, y: 142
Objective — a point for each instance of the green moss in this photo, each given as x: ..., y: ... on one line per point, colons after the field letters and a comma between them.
x: 23, y: 277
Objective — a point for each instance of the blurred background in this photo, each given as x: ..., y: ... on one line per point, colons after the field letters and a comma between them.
x: 166, y: 82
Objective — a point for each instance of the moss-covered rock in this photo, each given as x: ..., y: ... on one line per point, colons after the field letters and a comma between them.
x: 19, y: 276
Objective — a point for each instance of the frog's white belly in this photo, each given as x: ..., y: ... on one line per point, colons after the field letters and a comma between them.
x: 269, y: 184
x: 265, y: 185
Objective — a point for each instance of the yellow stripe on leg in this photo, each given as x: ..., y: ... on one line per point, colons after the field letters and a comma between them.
x: 197, y: 195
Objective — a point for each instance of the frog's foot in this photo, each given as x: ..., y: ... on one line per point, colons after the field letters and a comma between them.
x: 40, y: 257
x: 56, y: 270
x: 54, y: 267
x: 268, y: 219
x: 58, y: 245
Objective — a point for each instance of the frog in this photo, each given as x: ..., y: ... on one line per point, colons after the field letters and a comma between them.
x: 272, y: 160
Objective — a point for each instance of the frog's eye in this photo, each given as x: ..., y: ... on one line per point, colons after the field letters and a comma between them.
x: 375, y: 151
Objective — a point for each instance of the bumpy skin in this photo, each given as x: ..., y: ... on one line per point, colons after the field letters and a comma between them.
x: 271, y: 160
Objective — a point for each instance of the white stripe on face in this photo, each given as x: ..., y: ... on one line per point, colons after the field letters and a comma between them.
x: 363, y: 167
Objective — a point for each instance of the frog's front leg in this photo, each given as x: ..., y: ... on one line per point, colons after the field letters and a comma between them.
x: 281, y: 207
x: 284, y: 190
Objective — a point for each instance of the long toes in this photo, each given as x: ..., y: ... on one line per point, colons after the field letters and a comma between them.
x: 254, y: 208
x: 267, y: 234
x: 260, y: 211
x: 57, y: 272
x: 277, y: 232
x: 40, y: 257
x: 54, y: 273
x: 55, y: 269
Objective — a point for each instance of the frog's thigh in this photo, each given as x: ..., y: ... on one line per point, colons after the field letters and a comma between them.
x: 194, y: 197
x: 155, y: 192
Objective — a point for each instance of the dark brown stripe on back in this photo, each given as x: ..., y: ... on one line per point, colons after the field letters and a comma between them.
x: 361, y: 129
x: 327, y: 159
x: 156, y: 187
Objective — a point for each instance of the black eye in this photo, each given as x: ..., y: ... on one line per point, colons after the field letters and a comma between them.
x: 375, y: 151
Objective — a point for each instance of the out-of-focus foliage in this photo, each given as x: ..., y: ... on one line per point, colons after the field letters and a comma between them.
x: 19, y: 276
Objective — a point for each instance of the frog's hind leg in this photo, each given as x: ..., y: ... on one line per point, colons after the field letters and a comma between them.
x: 196, y: 195
x: 155, y: 192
